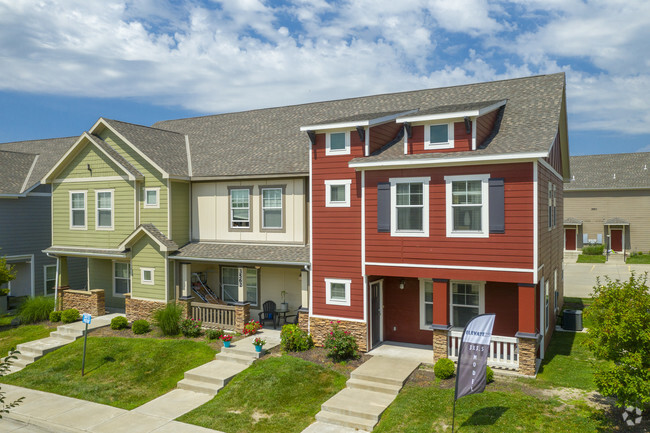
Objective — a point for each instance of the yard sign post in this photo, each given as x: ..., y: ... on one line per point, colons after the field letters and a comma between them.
x: 85, y: 319
x: 472, y: 358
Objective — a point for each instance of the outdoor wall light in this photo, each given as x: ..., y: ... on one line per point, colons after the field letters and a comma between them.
x: 401, y: 285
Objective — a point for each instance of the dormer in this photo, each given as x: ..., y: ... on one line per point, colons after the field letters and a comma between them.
x: 450, y: 128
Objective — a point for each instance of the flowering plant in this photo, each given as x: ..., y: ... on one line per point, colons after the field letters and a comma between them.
x: 252, y: 327
x: 226, y: 337
x: 340, y: 344
x: 259, y: 342
x: 191, y: 328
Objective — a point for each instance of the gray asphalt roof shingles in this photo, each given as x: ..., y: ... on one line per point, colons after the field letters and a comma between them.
x: 153, y: 230
x: 615, y: 171
x: 298, y: 254
x: 14, y: 168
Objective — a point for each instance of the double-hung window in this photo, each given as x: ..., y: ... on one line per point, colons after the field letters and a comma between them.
x: 152, y: 197
x: 337, y: 143
x: 426, y: 304
x: 232, y: 278
x: 410, y: 199
x: 78, y: 210
x: 467, y: 302
x: 337, y: 193
x: 240, y: 211
x: 49, y: 278
x: 104, y: 217
x: 337, y: 291
x: 271, y: 208
x: 467, y: 205
x: 552, y: 205
x: 439, y: 136
x: 229, y: 284
x: 121, y: 278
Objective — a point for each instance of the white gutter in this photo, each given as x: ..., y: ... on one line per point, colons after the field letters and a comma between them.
x: 512, y: 157
x: 264, y: 262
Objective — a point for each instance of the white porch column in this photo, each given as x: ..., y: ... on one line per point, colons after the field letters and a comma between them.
x: 241, y: 283
x: 304, y: 288
x: 186, y: 279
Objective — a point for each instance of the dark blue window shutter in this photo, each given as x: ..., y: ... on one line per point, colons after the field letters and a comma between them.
x: 497, y: 206
x: 383, y: 207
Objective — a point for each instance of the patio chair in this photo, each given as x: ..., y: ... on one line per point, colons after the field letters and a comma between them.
x: 293, y: 317
x: 268, y: 313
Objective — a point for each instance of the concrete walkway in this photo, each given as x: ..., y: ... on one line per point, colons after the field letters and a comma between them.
x: 580, y: 278
x: 370, y: 390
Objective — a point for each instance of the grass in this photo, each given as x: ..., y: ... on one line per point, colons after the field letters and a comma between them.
x: 638, y: 259
x: 584, y: 258
x: 9, y: 338
x: 276, y: 394
x: 121, y: 372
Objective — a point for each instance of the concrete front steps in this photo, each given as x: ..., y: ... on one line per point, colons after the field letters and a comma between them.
x: 64, y: 334
x: 370, y: 390
x: 210, y: 378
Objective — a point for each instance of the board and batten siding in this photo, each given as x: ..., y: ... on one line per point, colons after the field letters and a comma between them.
x: 100, y: 277
x: 180, y: 208
x: 211, y: 212
x: 146, y: 254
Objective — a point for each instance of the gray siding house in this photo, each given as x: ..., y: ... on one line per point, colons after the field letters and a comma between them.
x: 26, y: 217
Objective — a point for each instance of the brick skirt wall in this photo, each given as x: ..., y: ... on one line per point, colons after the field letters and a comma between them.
x: 320, y: 328
x: 138, y: 309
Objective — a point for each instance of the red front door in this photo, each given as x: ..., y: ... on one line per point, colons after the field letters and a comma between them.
x: 570, y: 239
x: 617, y: 239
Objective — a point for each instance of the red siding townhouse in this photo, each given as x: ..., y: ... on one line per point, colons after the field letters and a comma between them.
x: 431, y: 207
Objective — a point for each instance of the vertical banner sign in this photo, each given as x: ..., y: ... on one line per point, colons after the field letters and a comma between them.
x: 472, y: 358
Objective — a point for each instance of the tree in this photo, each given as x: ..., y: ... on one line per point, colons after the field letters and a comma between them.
x: 620, y: 332
x: 6, y: 272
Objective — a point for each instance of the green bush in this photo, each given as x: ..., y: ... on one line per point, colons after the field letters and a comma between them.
x: 69, y: 316
x: 140, y: 327
x: 168, y: 319
x: 593, y: 250
x: 489, y: 375
x: 444, y: 368
x: 191, y: 328
x: 213, y: 334
x: 294, y: 339
x: 36, y: 309
x: 119, y: 322
x: 340, y: 344
x: 55, y: 316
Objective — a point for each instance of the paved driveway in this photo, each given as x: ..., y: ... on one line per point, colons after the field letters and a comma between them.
x: 580, y: 278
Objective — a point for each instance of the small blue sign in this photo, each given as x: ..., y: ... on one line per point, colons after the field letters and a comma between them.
x: 86, y: 318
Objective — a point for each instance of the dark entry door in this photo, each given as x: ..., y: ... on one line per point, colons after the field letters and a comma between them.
x: 375, y: 295
x: 617, y: 239
x: 570, y: 239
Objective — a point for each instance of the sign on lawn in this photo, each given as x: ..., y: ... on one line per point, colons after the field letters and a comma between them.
x: 85, y: 318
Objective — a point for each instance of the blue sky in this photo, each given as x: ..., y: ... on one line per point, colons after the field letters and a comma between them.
x: 65, y: 63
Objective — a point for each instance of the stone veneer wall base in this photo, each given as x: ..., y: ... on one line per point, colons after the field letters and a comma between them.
x: 440, y: 344
x: 527, y: 356
x: 85, y: 301
x: 138, y: 309
x: 320, y: 328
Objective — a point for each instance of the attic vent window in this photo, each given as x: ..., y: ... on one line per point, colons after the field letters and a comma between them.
x: 439, y: 136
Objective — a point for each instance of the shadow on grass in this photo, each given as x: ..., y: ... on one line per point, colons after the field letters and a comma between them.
x: 485, y: 416
x: 105, y: 360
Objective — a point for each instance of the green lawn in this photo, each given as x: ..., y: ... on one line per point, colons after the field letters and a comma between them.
x: 121, y: 372
x: 638, y: 259
x: 276, y: 394
x: 584, y: 258
x: 11, y: 337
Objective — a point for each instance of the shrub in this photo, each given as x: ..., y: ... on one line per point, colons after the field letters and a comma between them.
x: 191, y: 328
x: 340, y: 344
x: 252, y: 327
x: 71, y: 315
x: 140, y: 327
x: 593, y: 250
x: 489, y: 375
x: 294, y: 339
x: 444, y: 368
x: 36, y: 309
x: 213, y: 334
x: 55, y: 316
x: 119, y: 322
x: 168, y: 319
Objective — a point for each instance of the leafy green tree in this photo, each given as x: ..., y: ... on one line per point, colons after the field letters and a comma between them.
x: 620, y: 332
x: 6, y: 272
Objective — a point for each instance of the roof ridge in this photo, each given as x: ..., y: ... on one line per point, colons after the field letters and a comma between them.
x: 19, y: 153
x: 39, y: 139
x: 610, y: 154
x: 144, y: 126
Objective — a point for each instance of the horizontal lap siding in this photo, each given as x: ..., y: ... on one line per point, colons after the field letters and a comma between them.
x: 146, y: 254
x: 382, y: 134
x: 462, y: 140
x: 336, y: 230
x: 89, y: 157
x: 502, y: 299
x: 180, y: 212
x: 484, y: 126
x: 512, y: 249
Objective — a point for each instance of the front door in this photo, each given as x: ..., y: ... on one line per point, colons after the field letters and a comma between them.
x: 617, y: 239
x: 375, y: 305
x: 570, y: 239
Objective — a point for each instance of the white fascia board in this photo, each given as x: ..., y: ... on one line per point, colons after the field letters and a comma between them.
x: 137, y: 234
x: 189, y: 155
x: 354, y: 124
x: 127, y: 172
x: 251, y: 176
x: 510, y: 157
x: 29, y: 174
x: 452, y: 115
x: 243, y: 261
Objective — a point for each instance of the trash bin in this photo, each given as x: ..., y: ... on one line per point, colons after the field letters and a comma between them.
x: 572, y: 320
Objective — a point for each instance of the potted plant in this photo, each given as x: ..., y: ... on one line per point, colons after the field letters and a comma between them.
x: 258, y: 343
x: 252, y: 327
x: 226, y: 340
x: 3, y: 300
x: 284, y: 304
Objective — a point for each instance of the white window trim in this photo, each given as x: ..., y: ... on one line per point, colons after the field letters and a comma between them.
x: 45, y: 280
x: 97, y: 192
x: 328, y: 192
x: 272, y: 208
x: 425, y: 206
x: 441, y: 145
x: 232, y: 219
x: 328, y: 298
x: 423, y: 324
x: 481, y: 297
x: 121, y: 295
x: 85, y: 193
x: 145, y: 281
x: 157, y: 204
x: 329, y: 151
x: 485, y: 204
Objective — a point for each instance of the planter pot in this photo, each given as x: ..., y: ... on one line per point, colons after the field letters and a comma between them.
x: 258, y: 349
x: 226, y: 344
x: 284, y: 306
x: 3, y: 304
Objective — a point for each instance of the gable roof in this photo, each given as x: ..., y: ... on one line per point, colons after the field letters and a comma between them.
x: 115, y: 156
x: 152, y: 231
x: 15, y: 176
x: 617, y: 171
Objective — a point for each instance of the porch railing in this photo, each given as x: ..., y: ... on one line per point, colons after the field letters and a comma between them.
x: 504, y: 351
x: 215, y: 315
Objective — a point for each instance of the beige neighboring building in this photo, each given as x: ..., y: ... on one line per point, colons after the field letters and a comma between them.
x: 607, y: 201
